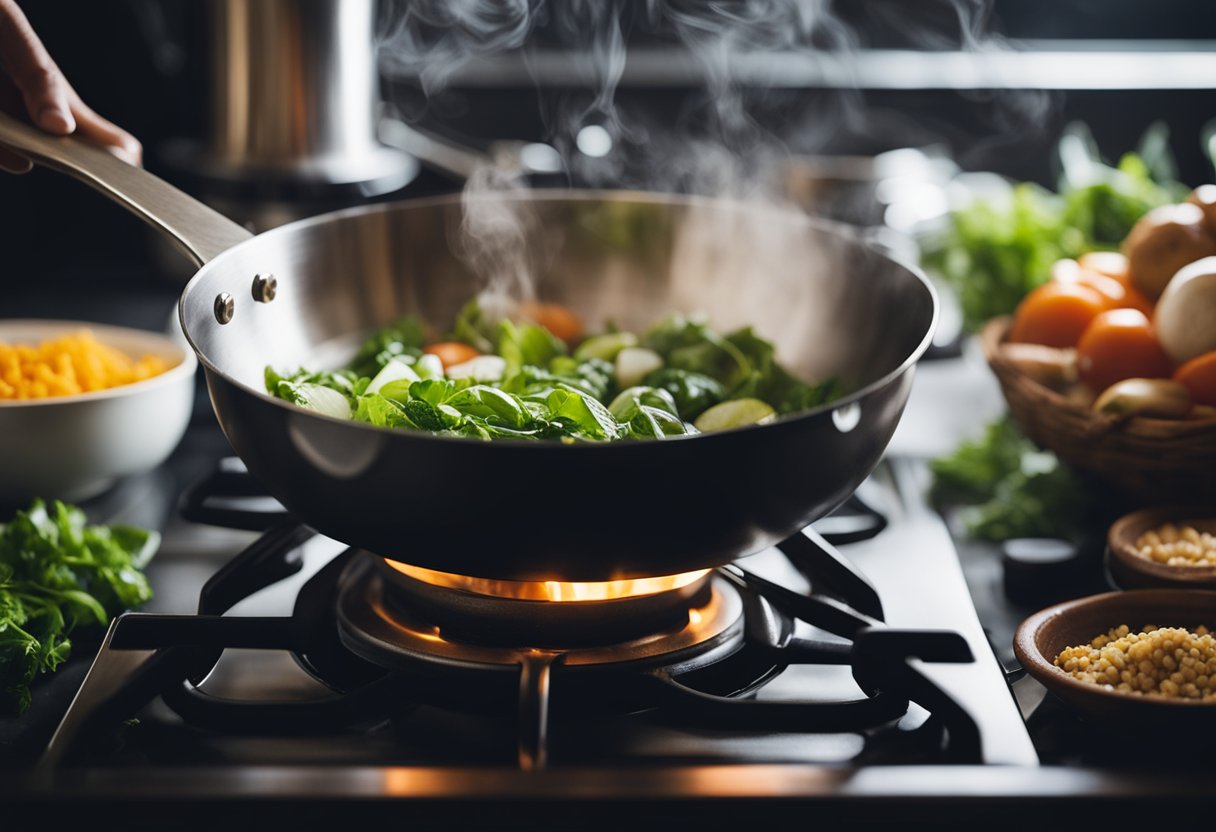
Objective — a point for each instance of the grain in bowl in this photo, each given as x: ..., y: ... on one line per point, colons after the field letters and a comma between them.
x: 1171, y: 662
x: 1174, y: 545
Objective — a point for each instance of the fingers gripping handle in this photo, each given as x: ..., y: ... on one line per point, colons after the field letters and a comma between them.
x: 200, y: 232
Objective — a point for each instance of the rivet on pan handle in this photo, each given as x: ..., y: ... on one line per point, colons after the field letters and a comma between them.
x: 224, y: 307
x: 265, y: 287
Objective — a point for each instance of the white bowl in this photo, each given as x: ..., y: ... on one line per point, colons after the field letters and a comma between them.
x: 73, y: 447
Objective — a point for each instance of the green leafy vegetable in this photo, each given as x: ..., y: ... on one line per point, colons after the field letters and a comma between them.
x: 491, y: 405
x: 433, y: 417
x: 769, y: 382
x: 382, y: 412
x: 1017, y: 490
x: 406, y: 337
x: 527, y: 345
x: 289, y: 386
x: 538, y: 391
x: 475, y: 328
x: 628, y: 400
x: 57, y: 574
x: 586, y: 417
x: 694, y: 393
x: 689, y: 344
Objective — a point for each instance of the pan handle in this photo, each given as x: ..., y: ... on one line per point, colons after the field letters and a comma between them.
x: 200, y: 232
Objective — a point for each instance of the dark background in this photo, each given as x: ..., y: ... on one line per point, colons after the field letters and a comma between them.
x: 143, y: 64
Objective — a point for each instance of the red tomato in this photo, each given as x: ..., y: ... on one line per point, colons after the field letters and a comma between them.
x: 1198, y: 376
x: 1118, y: 294
x: 1056, y: 314
x: 1120, y: 344
x: 451, y: 353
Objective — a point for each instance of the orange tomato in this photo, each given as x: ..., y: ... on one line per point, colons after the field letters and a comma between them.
x: 1198, y: 376
x: 451, y: 353
x: 556, y: 318
x: 1120, y: 344
x: 1056, y: 314
x: 1118, y: 294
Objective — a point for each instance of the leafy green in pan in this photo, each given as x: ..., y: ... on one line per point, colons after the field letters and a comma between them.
x: 527, y: 385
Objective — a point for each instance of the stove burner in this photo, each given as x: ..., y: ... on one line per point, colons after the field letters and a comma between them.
x: 378, y: 624
x: 540, y: 614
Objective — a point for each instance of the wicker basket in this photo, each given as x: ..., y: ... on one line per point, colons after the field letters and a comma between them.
x: 1151, y: 461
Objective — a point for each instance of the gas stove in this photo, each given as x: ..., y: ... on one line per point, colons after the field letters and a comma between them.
x: 786, y: 656
x: 845, y: 670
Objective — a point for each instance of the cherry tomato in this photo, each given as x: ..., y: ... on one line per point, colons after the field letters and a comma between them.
x: 451, y: 353
x: 1117, y: 345
x: 1198, y: 376
x: 556, y: 318
x: 1056, y: 314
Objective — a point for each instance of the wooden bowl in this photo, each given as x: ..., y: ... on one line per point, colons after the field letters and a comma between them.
x: 1042, y: 637
x: 1131, y: 571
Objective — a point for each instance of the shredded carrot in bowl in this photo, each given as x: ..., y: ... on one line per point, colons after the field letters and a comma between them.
x: 68, y: 366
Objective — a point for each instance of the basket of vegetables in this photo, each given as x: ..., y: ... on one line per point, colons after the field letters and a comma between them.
x: 1112, y: 363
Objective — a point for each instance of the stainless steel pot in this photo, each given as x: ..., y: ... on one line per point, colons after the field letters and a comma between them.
x: 305, y: 294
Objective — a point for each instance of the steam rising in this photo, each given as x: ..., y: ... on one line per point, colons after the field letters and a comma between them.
x: 499, y: 240
x: 718, y: 147
x: 435, y: 38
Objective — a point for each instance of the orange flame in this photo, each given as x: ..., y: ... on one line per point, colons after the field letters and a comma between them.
x: 551, y: 590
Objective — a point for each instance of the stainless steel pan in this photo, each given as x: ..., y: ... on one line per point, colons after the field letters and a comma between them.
x: 532, y: 511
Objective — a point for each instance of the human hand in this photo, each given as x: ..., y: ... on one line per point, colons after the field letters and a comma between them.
x: 32, y: 85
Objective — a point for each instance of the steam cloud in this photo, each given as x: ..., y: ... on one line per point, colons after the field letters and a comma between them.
x: 716, y: 148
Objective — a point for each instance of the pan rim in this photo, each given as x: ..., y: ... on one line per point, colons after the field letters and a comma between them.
x: 576, y: 195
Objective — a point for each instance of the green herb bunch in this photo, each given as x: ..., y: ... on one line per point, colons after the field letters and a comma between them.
x: 57, y: 574
x: 1013, y: 489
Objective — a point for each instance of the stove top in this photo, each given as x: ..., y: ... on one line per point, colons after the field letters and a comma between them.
x: 846, y: 669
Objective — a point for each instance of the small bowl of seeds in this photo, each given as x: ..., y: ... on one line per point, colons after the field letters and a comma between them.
x: 1146, y: 654
x: 1164, y: 547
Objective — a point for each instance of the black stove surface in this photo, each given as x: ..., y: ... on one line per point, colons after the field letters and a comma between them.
x: 810, y: 674
x: 273, y: 717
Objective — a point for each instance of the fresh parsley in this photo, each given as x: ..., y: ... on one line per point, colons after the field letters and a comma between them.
x: 57, y: 575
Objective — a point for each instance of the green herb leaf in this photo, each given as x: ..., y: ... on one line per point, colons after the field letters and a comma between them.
x: 381, y: 411
x: 527, y: 345
x: 586, y: 416
x: 57, y: 574
x: 404, y: 338
x: 1016, y: 490
x: 693, y: 393
x: 474, y: 328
